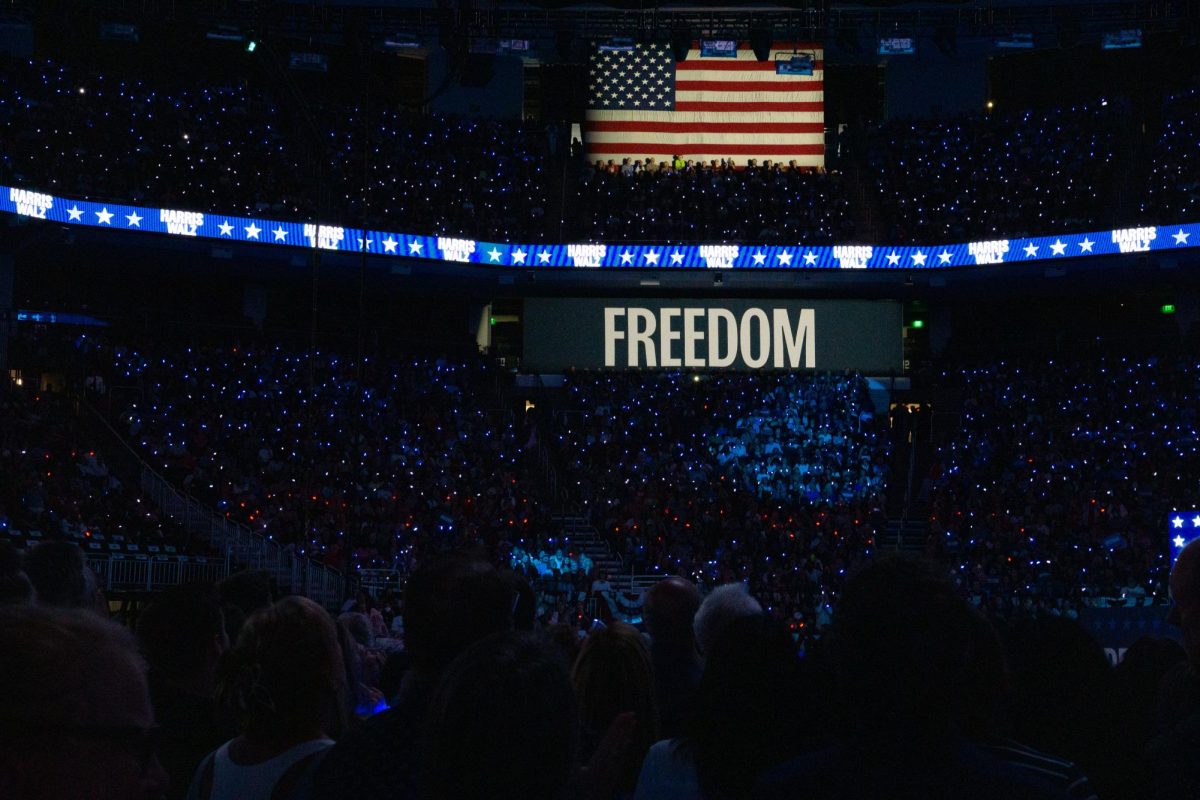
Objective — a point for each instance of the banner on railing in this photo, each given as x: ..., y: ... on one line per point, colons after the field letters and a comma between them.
x: 1118, y: 629
x: 276, y: 233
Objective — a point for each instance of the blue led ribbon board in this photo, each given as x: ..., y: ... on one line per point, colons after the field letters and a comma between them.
x: 276, y: 233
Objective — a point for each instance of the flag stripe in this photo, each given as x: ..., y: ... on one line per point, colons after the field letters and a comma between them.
x: 650, y: 126
x: 790, y: 87
x: 644, y: 104
x: 689, y: 150
x: 703, y: 117
x: 684, y: 139
x: 777, y: 108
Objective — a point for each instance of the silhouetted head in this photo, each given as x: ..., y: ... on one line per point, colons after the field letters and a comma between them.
x: 59, y: 575
x: 450, y: 604
x: 669, y: 609
x: 285, y: 673
x: 613, y: 675
x: 502, y: 723
x: 182, y: 633
x: 75, y: 713
x: 15, y: 586
x: 901, y: 640
x: 748, y: 706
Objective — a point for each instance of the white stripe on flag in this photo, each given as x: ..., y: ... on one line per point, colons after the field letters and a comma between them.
x: 698, y: 137
x: 781, y: 121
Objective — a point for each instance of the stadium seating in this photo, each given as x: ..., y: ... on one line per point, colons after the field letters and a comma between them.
x: 232, y: 148
x: 369, y: 468
x: 1054, y: 490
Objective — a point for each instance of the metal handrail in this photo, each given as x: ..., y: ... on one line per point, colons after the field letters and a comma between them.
x: 153, y: 573
x: 238, y: 545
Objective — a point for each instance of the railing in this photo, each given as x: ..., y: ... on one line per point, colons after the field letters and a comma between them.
x: 153, y: 573
x: 376, y: 581
x: 239, y: 546
x: 635, y: 582
x: 323, y: 585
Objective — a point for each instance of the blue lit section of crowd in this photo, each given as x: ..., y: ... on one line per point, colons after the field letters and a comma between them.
x: 74, y: 130
x: 1174, y: 181
x: 483, y: 179
x: 1054, y: 489
x: 369, y: 467
x: 997, y: 176
x: 775, y: 480
x: 682, y: 201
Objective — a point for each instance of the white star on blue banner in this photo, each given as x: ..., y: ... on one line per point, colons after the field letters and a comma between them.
x: 1183, y: 527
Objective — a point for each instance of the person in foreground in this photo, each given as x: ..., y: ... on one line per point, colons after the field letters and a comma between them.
x: 901, y: 642
x: 502, y: 724
x: 449, y: 604
x: 1174, y: 756
x: 746, y: 719
x: 75, y: 715
x: 286, y: 682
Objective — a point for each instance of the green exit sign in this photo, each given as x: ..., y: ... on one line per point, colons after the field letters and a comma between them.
x: 1168, y: 308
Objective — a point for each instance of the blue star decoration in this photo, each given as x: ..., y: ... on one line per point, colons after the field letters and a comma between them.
x: 1183, y: 527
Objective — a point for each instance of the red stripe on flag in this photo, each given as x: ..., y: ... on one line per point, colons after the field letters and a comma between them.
x: 716, y: 99
x: 750, y: 86
x: 749, y: 128
x: 717, y: 105
x: 658, y: 148
x: 731, y: 65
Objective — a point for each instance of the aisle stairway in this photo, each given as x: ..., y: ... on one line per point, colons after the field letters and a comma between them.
x: 582, y: 536
x: 904, y: 536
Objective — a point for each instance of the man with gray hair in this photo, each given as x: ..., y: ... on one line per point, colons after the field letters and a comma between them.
x: 722, y: 606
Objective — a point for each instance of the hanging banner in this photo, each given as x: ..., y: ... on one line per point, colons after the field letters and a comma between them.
x: 587, y: 333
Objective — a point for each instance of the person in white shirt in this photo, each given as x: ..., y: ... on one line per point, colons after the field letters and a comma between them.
x: 286, y: 681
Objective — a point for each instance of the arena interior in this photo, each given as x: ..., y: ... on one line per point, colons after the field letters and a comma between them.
x: 600, y: 401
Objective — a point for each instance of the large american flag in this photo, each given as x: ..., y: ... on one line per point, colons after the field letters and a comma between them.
x: 643, y: 103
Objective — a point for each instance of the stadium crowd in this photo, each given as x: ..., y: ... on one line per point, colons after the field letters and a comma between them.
x: 482, y: 179
x: 777, y: 480
x: 1173, y: 192
x: 1054, y: 488
x: 235, y: 148
x: 356, y: 467
x: 55, y: 482
x: 683, y: 201
x: 227, y: 691
x: 81, y: 133
x: 1048, y: 496
x: 232, y: 148
x: 758, y: 500
x: 997, y: 176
